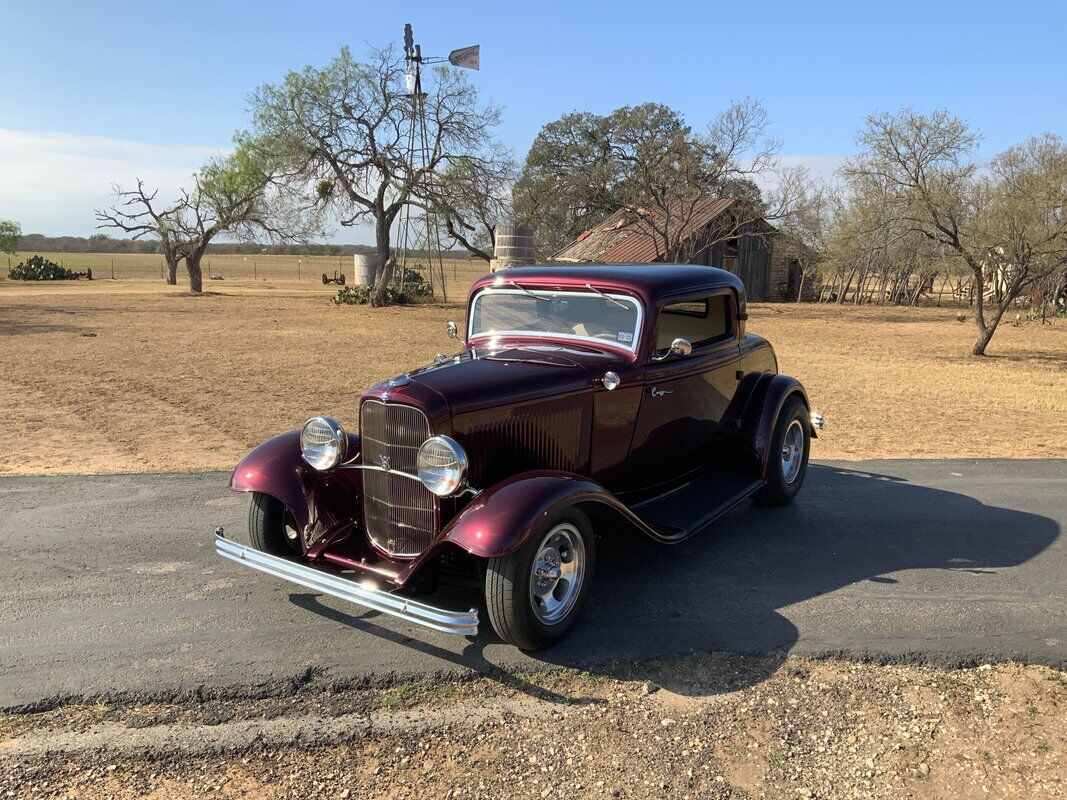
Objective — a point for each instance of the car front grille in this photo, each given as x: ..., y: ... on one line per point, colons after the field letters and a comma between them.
x: 400, y: 513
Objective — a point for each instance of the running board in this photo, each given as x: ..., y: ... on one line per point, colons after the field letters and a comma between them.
x: 695, y: 505
x: 464, y: 623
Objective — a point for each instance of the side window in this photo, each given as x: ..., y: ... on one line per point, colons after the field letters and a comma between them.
x: 701, y: 322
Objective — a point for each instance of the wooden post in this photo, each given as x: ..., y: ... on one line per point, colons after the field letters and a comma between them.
x: 255, y: 273
x: 112, y: 269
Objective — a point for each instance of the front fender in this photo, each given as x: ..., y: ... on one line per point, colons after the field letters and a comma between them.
x: 277, y: 469
x: 501, y: 519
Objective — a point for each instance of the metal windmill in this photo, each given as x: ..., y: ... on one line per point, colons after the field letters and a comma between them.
x: 426, y: 229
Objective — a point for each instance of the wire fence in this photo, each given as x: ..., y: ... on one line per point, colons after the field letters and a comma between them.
x: 459, y: 274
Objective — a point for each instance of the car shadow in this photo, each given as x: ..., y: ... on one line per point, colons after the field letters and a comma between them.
x: 722, y: 592
x: 472, y: 657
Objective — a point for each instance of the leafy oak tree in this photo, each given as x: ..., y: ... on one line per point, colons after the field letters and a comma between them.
x: 648, y: 161
x: 10, y: 236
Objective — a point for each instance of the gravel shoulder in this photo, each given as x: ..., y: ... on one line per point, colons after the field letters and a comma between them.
x: 812, y: 729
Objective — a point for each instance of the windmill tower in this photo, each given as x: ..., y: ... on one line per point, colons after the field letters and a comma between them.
x: 419, y: 235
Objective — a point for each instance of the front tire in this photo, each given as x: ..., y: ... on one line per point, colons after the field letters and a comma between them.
x: 271, y: 526
x: 788, y: 457
x: 535, y: 594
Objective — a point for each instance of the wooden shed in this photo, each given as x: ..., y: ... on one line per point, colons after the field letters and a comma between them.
x: 710, y: 235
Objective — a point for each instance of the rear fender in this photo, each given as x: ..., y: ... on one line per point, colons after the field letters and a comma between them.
x: 763, y: 404
x: 500, y: 520
x: 318, y: 501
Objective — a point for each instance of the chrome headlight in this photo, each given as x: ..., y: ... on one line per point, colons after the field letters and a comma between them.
x: 323, y: 443
x: 442, y: 465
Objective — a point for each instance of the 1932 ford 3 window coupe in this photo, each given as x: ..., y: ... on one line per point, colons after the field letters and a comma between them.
x: 584, y: 400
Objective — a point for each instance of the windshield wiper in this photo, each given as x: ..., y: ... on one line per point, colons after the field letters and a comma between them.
x: 528, y: 293
x: 610, y: 299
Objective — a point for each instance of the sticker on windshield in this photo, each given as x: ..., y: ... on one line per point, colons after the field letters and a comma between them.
x: 626, y: 337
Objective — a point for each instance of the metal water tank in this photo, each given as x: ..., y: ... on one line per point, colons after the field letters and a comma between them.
x: 365, y: 268
x: 514, y: 247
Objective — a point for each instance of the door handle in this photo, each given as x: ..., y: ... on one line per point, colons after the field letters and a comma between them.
x: 659, y: 392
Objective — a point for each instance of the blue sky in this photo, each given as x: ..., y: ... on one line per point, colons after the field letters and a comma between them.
x: 99, y: 92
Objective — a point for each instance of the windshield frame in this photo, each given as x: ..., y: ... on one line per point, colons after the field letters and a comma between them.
x: 629, y: 299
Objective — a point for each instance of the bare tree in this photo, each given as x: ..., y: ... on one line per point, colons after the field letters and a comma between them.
x: 233, y: 194
x: 140, y: 213
x: 1008, y: 225
x: 807, y: 230
x: 344, y: 130
x: 472, y: 199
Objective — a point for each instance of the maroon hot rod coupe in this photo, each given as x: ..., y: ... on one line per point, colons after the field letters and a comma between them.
x: 586, y: 399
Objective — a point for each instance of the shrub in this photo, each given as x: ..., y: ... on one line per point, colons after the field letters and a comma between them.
x: 415, y: 286
x: 38, y: 268
x: 360, y: 296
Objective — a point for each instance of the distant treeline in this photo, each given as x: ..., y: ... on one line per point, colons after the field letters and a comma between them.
x: 100, y: 243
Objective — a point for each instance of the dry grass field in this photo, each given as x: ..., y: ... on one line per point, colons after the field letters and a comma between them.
x: 131, y: 376
x: 306, y: 271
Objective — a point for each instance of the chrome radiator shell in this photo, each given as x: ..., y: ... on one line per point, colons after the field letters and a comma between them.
x: 400, y: 514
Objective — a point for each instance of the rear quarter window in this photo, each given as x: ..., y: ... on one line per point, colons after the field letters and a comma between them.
x: 701, y: 322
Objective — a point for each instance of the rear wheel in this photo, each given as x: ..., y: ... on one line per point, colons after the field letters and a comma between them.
x: 272, y: 527
x: 787, y: 461
x: 535, y: 594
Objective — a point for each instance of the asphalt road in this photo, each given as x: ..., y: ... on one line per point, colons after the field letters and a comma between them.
x: 110, y: 587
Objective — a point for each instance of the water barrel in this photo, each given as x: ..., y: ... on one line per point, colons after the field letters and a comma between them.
x: 514, y: 247
x: 365, y: 268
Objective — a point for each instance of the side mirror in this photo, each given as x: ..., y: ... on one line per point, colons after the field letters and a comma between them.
x: 679, y: 347
x: 452, y: 330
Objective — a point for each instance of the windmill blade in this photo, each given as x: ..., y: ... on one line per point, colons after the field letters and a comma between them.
x: 409, y: 40
x: 466, y: 57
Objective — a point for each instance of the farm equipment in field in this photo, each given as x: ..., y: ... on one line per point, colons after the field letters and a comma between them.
x: 73, y: 276
x: 338, y: 278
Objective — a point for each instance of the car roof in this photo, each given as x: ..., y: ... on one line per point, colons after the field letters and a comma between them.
x: 650, y: 281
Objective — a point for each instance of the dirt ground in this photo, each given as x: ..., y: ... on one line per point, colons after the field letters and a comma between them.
x: 129, y: 376
x: 710, y: 727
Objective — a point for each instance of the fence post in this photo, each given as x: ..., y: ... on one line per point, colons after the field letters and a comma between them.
x: 161, y: 270
x: 112, y: 269
x: 255, y: 272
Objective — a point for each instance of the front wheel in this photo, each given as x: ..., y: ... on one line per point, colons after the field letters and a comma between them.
x: 272, y: 527
x: 787, y: 461
x: 535, y: 594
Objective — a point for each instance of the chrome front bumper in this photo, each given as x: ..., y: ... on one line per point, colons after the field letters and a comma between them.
x: 464, y: 623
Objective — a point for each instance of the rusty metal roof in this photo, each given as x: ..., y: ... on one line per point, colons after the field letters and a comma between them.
x: 621, y: 238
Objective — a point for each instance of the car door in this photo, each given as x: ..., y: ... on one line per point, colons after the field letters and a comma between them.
x: 684, y: 398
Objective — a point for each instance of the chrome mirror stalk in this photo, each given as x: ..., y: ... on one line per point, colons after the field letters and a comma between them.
x: 679, y: 347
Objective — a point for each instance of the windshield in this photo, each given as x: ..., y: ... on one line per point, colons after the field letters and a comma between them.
x: 571, y: 315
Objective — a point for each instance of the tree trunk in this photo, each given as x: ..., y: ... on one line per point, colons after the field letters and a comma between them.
x: 385, y: 264
x: 196, y: 275
x: 800, y: 288
x: 846, y: 282
x: 172, y: 265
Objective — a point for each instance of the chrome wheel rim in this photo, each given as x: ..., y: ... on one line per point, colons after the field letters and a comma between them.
x: 557, y: 574
x: 792, y: 451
